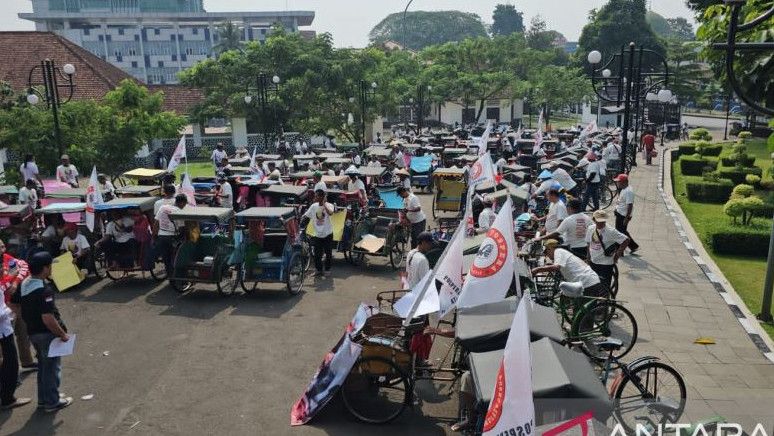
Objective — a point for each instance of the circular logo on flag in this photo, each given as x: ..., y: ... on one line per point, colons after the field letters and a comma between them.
x: 496, y: 406
x: 491, y: 256
x: 476, y: 170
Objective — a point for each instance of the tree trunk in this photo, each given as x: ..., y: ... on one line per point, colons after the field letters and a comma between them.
x: 481, y: 107
x: 547, y: 115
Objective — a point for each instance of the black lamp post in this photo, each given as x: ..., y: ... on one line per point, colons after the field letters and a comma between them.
x: 48, y: 75
x: 265, y: 87
x: 423, y: 94
x: 367, y: 91
x: 622, y: 80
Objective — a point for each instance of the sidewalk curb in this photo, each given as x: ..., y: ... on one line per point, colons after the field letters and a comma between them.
x: 685, y: 234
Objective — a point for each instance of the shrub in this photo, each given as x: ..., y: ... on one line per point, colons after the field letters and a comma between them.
x: 694, y: 165
x: 686, y: 149
x: 734, y: 208
x: 767, y: 184
x: 731, y: 160
x: 744, y: 135
x: 744, y: 241
x: 752, y: 179
x: 702, y: 191
x: 711, y: 176
x: 743, y: 190
x: 743, y: 207
x: 711, y: 150
x: 699, y: 134
x: 737, y: 175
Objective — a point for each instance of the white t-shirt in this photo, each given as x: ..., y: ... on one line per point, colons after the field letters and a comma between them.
x: 611, y: 152
x: 500, y: 164
x: 417, y: 267
x: 107, y: 188
x: 67, y: 174
x: 29, y: 173
x: 217, y: 157
x: 75, y: 246
x: 406, y: 183
x: 374, y: 164
x: 596, y: 168
x: 563, y: 178
x: 573, y: 230
x: 357, y: 185
x: 320, y: 185
x: 29, y: 197
x: 226, y: 195
x: 486, y: 218
x: 399, y: 162
x: 161, y: 202
x: 357, y: 160
x: 556, y: 212
x: 118, y: 229
x: 166, y: 226
x: 625, y: 198
x: 574, y: 269
x: 412, y: 202
x: 323, y: 227
x: 597, y: 245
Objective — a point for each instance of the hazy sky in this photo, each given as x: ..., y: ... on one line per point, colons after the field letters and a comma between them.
x: 350, y: 20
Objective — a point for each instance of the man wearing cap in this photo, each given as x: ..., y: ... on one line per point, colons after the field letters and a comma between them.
x: 318, y: 183
x: 77, y: 245
x: 404, y: 178
x: 573, y: 229
x: 412, y: 207
x: 320, y: 213
x: 487, y: 215
x: 417, y: 264
x: 217, y: 156
x: 66, y: 172
x: 38, y: 309
x: 593, y: 179
x: 624, y: 207
x: 612, y: 155
x: 606, y: 245
x: 572, y: 268
x: 354, y: 184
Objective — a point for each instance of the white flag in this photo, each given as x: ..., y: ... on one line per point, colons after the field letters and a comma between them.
x: 187, y: 188
x: 519, y: 132
x: 512, y: 410
x: 492, y: 271
x: 178, y: 156
x: 538, y: 142
x: 93, y: 198
x: 448, y: 271
x: 422, y: 300
x: 483, y: 141
x: 481, y: 171
x: 590, y: 128
x: 540, y: 122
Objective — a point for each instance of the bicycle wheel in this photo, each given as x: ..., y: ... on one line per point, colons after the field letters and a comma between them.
x: 614, y: 283
x: 435, y: 199
x: 652, y: 393
x: 601, y: 319
x: 158, y: 271
x: 605, y: 196
x: 376, y: 391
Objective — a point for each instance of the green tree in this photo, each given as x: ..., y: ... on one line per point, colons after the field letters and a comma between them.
x: 687, y: 78
x: 681, y: 29
x: 229, y: 38
x: 557, y: 87
x: 658, y: 23
x: 419, y: 29
x: 615, y: 25
x: 507, y: 20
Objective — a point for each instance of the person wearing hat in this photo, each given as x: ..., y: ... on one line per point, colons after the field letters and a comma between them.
x: 224, y: 192
x: 66, y: 172
x: 355, y: 184
x: 557, y: 211
x: 487, y: 215
x: 606, y: 245
x: 572, y: 268
x: 356, y: 158
x: 412, y: 208
x: 404, y: 178
x: 417, y: 264
x: 572, y: 229
x: 76, y: 244
x: 35, y: 300
x: 624, y: 207
x: 593, y: 181
x: 164, y: 231
x: 612, y: 155
x: 319, y: 213
x: 217, y: 155
x: 318, y: 183
x: 106, y: 188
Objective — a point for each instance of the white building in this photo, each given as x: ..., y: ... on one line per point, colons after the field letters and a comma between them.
x: 495, y: 110
x: 153, y: 40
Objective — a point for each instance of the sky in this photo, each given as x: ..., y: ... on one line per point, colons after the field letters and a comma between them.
x: 349, y: 21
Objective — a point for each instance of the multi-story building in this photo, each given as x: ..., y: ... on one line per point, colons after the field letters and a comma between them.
x: 153, y: 40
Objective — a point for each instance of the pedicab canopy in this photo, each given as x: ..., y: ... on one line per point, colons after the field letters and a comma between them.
x: 54, y: 208
x: 143, y: 203
x: 297, y: 191
x: 563, y: 381
x: 267, y: 212
x: 15, y: 211
x: 372, y: 171
x: 9, y: 190
x: 222, y: 215
x: 144, y: 174
x: 486, y: 327
x: 67, y: 193
x: 421, y: 164
x: 139, y: 190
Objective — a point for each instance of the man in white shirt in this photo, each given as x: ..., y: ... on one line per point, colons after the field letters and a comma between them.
x: 399, y: 161
x: 417, y: 264
x: 573, y: 229
x: 76, y: 244
x: 561, y: 176
x: 356, y: 158
x: 373, y: 162
x: 168, y: 198
x: 28, y: 194
x: 217, y: 155
x: 320, y: 213
x: 356, y: 185
x: 487, y: 216
x: 572, y: 268
x: 606, y: 246
x: 273, y: 172
x: 612, y: 155
x: 106, y: 188
x: 412, y: 207
x: 29, y: 170
x: 318, y: 183
x: 119, y: 240
x: 164, y: 230
x: 624, y: 208
x: 556, y: 211
x: 404, y: 178
x: 66, y: 172
x: 225, y: 192
x: 500, y: 164
x: 593, y: 180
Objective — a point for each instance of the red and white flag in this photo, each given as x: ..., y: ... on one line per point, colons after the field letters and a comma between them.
x: 178, y: 156
x: 186, y: 187
x: 540, y: 121
x: 481, y: 171
x: 492, y: 271
x: 422, y: 300
x: 590, y: 128
x: 93, y: 198
x: 448, y: 271
x: 512, y: 410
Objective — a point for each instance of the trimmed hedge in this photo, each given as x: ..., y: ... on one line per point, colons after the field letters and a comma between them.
x: 701, y: 191
x: 730, y: 162
x: 741, y: 241
x: 737, y: 176
x: 712, y: 150
x: 687, y: 149
x: 690, y: 166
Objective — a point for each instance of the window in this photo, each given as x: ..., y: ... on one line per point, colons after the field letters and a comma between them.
x: 493, y: 113
x: 195, y: 31
x: 86, y: 31
x: 189, y: 51
x: 134, y: 64
x: 132, y: 52
x: 157, y: 31
x: 468, y: 115
x: 120, y: 30
x: 161, y: 64
x: 172, y: 37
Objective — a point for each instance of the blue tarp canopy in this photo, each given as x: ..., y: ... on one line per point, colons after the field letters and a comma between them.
x: 421, y: 164
x: 391, y: 199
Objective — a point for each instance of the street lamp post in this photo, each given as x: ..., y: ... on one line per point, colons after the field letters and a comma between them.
x: 366, y: 91
x: 48, y: 76
x: 423, y: 92
x: 265, y: 87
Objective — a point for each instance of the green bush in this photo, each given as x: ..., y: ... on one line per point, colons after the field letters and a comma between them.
x: 701, y: 191
x: 696, y: 166
x: 711, y: 150
x: 700, y: 134
x: 744, y: 135
x: 734, y: 208
x: 738, y: 240
x: 686, y: 149
x: 767, y: 184
x: 743, y: 190
x: 731, y: 160
x: 752, y: 179
x: 738, y: 175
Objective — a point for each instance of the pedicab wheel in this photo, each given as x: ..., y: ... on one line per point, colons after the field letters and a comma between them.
x: 158, y: 271
x: 115, y: 275
x: 356, y: 257
x: 397, y: 258
x: 376, y: 391
x: 655, y: 394
x: 99, y: 265
x: 614, y: 283
x: 181, y: 286
x: 295, y: 275
x: 306, y: 255
x: 602, y: 319
x: 435, y: 199
x: 248, y: 290
x: 229, y: 280
x: 605, y: 196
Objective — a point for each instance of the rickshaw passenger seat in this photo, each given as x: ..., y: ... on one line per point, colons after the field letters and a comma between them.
x: 274, y: 243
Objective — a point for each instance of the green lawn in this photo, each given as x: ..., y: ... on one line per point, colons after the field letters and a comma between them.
x: 195, y: 169
x: 745, y: 273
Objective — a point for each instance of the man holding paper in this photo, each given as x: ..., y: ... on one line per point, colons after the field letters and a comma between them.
x: 44, y: 325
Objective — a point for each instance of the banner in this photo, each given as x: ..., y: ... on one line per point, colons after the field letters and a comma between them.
x: 448, y: 274
x: 483, y: 141
x: 540, y: 122
x: 493, y: 268
x: 420, y: 301
x: 93, y: 198
x: 512, y: 410
x: 481, y: 171
x: 590, y: 128
x: 178, y: 156
x: 186, y: 187
x: 538, y: 142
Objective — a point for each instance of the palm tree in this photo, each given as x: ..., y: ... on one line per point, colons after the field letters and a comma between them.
x: 229, y: 38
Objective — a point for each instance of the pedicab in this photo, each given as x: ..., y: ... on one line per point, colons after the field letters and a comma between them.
x: 9, y: 194
x: 451, y: 188
x: 143, y: 176
x: 129, y: 191
x: 206, y: 253
x: 16, y: 228
x: 421, y: 170
x: 379, y: 232
x: 136, y: 261
x: 74, y: 195
x: 281, y: 195
x: 270, y: 251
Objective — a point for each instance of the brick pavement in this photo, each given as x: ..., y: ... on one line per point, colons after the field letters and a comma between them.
x: 675, y: 303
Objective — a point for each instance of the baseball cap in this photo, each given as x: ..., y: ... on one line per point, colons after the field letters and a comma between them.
x: 40, y: 260
x: 317, y: 174
x: 600, y: 216
x: 545, y: 175
x: 550, y: 243
x: 425, y: 237
x: 64, y: 156
x: 621, y: 178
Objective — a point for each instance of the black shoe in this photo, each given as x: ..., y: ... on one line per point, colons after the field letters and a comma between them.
x: 29, y: 368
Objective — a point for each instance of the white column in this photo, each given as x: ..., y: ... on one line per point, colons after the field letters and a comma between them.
x: 103, y: 26
x: 212, y: 37
x: 239, y: 132
x: 141, y: 29
x: 177, y: 45
x: 197, y: 135
x: 247, y: 27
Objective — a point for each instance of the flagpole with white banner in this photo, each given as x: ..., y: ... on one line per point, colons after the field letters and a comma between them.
x: 178, y: 155
x: 93, y: 198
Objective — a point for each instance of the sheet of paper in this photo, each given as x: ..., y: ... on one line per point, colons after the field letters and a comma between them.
x: 59, y: 348
x: 371, y: 244
x: 64, y: 274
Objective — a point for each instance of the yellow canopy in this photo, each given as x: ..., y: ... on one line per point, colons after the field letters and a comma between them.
x: 144, y: 173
